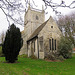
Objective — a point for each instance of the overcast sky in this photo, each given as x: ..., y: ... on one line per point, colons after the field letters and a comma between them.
x: 39, y: 3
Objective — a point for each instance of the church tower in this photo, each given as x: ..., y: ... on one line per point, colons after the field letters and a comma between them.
x: 33, y: 19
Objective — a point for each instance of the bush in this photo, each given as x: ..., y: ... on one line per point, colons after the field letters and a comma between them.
x: 33, y: 57
x: 50, y: 56
x: 23, y: 56
x: 54, y: 56
x: 61, y: 58
x: 12, y: 44
x: 65, y: 48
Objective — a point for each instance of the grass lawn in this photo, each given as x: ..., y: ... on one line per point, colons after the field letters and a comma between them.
x: 27, y: 66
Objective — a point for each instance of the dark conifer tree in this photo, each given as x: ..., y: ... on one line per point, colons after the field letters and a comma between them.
x: 12, y: 44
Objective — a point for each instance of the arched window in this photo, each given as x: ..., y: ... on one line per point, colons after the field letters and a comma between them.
x: 55, y: 44
x: 52, y: 44
x: 37, y: 17
x: 51, y: 26
x: 34, y: 46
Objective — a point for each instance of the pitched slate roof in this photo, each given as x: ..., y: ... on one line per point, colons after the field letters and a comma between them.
x: 36, y: 32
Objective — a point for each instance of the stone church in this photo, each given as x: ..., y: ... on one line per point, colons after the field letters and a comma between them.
x: 39, y: 36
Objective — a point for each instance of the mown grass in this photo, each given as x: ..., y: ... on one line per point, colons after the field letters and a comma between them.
x: 27, y: 66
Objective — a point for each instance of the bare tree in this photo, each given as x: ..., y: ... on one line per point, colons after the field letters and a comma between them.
x: 54, y: 5
x: 13, y: 9
x: 67, y: 25
x: 2, y: 36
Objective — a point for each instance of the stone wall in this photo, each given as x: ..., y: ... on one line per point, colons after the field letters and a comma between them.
x: 41, y: 55
x: 50, y: 31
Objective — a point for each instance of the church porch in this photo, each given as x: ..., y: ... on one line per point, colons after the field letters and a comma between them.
x: 34, y: 48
